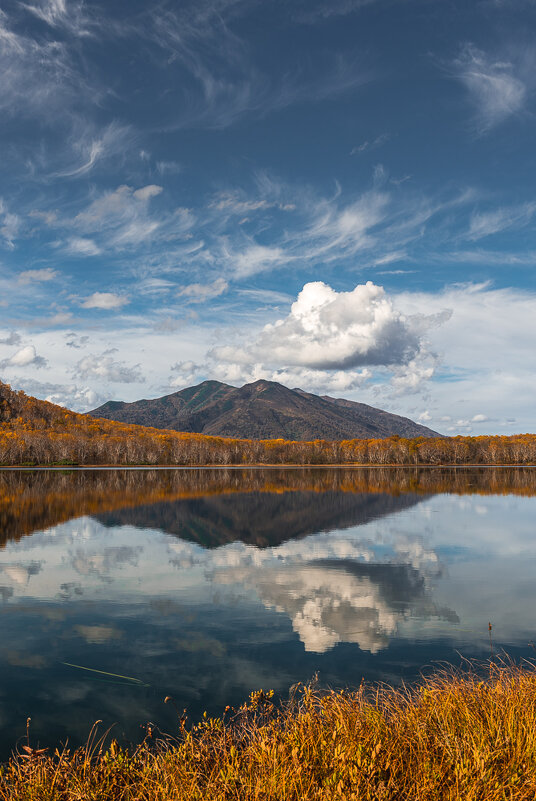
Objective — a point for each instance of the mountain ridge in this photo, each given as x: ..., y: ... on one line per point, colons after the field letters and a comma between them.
x: 261, y: 410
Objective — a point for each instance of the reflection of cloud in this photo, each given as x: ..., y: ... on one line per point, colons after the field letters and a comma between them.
x: 327, y: 607
x: 70, y: 588
x: 104, y: 562
x: 17, y: 659
x: 97, y: 635
x: 20, y: 573
x: 332, y: 590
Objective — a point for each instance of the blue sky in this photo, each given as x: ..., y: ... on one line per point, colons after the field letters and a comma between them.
x: 336, y: 195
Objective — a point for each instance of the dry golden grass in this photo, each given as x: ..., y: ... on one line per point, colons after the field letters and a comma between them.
x: 456, y: 736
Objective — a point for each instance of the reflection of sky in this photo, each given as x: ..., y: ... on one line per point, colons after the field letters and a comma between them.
x: 207, y: 626
x: 470, y: 556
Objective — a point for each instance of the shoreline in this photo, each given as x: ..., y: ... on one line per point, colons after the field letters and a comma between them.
x: 454, y: 734
x: 262, y: 466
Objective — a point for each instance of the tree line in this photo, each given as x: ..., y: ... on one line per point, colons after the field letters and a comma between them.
x: 35, y: 432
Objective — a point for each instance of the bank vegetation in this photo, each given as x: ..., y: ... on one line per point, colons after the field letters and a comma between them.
x: 456, y: 736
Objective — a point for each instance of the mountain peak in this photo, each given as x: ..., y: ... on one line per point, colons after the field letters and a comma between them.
x: 262, y: 409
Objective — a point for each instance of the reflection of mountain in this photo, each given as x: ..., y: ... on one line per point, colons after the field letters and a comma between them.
x: 261, y: 519
x: 332, y: 601
x: 36, y: 499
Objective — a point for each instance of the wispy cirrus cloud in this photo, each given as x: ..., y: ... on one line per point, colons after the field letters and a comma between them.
x: 10, y: 225
x: 68, y: 14
x: 487, y: 223
x: 227, y: 83
x: 95, y: 146
x: 497, y: 87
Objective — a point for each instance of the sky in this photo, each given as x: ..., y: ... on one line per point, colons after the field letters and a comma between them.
x: 333, y: 194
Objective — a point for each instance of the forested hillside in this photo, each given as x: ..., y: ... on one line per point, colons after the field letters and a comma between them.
x: 37, y: 432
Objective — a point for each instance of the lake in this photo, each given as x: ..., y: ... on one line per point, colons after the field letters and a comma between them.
x: 121, y: 587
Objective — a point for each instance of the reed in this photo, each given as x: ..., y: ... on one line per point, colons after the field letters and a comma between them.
x: 457, y: 735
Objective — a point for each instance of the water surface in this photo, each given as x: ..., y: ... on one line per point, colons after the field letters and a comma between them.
x: 120, y: 587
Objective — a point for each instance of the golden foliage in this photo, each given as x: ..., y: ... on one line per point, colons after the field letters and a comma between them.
x: 39, y: 433
x: 456, y: 736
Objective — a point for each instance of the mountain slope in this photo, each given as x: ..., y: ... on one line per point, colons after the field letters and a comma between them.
x: 262, y: 410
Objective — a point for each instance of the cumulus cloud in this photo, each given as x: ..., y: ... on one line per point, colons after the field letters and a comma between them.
x: 13, y: 338
x: 24, y: 358
x: 74, y: 397
x: 495, y: 89
x: 330, y: 340
x: 105, y: 368
x: 104, y: 300
x: 330, y: 330
x: 187, y: 373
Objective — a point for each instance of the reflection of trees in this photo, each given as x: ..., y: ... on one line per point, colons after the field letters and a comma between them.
x: 32, y: 500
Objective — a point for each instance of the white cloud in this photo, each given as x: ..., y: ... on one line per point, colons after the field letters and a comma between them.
x: 11, y: 339
x: 72, y: 396
x: 197, y: 38
x: 370, y: 144
x: 104, y: 300
x: 199, y: 293
x: 331, y: 330
x: 36, y: 276
x: 24, y: 357
x: 327, y: 335
x: 81, y: 246
x: 39, y: 79
x: 258, y: 258
x: 10, y: 223
x: 104, y: 368
x: 495, y: 90
x: 67, y: 14
x: 93, y: 148
x: 484, y: 224
x: 146, y: 192
x: 121, y: 219
x: 187, y: 373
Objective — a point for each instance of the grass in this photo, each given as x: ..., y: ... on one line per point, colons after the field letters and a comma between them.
x: 455, y: 736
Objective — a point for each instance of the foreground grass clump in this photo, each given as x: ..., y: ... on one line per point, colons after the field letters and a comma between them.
x: 455, y: 736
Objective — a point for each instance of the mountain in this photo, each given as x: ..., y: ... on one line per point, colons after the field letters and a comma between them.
x: 262, y: 410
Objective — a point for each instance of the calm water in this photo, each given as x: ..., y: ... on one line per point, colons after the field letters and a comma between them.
x: 207, y: 584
